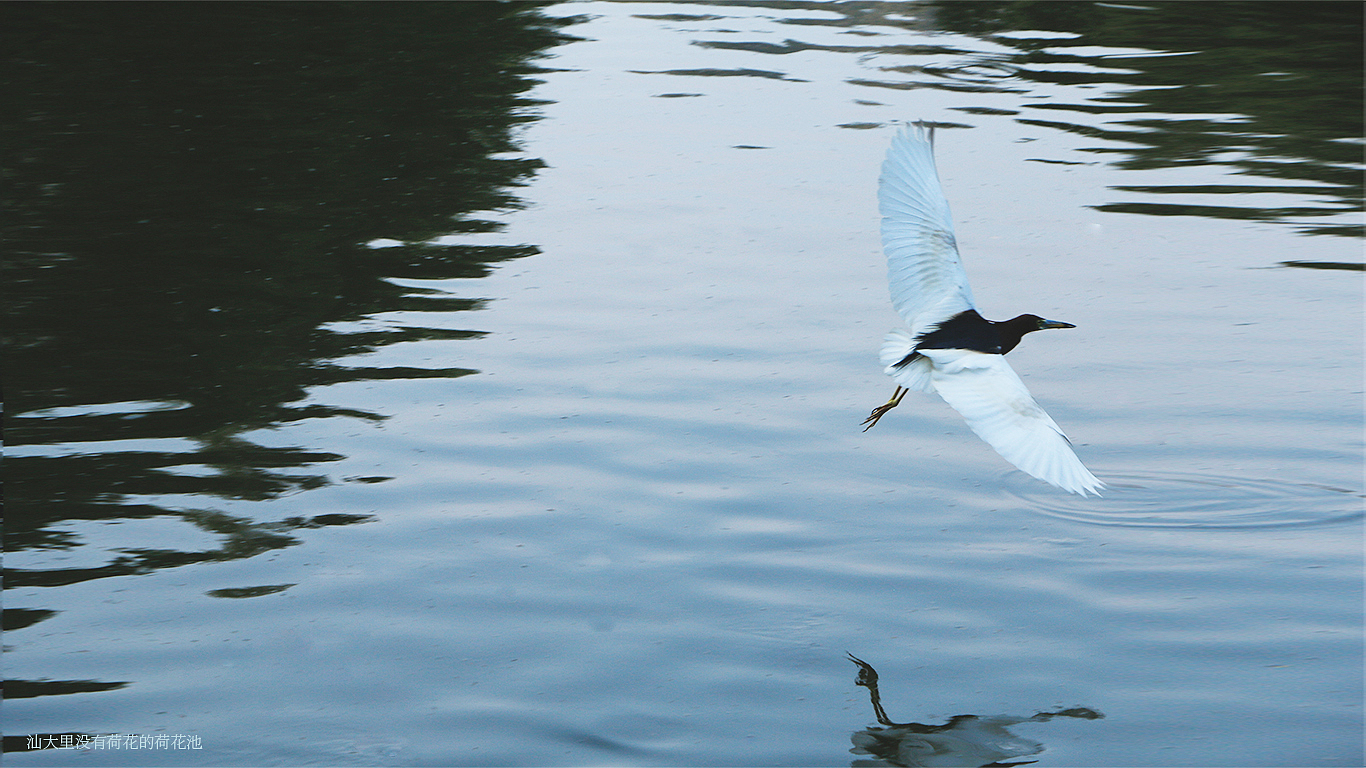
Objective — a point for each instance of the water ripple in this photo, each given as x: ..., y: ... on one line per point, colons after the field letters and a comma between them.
x: 1192, y: 500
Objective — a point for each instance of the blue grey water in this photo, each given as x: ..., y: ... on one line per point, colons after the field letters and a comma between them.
x: 537, y: 442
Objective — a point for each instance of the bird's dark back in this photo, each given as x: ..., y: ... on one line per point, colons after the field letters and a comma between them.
x: 966, y: 330
x: 969, y: 330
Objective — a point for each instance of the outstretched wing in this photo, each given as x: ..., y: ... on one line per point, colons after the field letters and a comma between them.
x: 926, y: 276
x: 988, y: 393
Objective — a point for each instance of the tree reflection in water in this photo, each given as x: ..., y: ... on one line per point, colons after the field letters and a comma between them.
x: 1267, y: 92
x: 191, y: 255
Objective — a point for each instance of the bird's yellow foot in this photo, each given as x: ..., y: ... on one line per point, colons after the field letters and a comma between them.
x: 871, y: 421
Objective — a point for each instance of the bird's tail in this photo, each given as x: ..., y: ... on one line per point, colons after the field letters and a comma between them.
x: 915, y: 375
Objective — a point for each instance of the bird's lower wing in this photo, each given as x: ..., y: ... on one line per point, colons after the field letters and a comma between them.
x: 998, y: 407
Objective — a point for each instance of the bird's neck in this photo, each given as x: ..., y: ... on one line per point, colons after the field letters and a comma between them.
x: 1011, y: 331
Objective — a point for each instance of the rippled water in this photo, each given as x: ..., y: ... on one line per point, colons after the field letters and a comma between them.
x: 379, y: 393
x: 1205, y: 501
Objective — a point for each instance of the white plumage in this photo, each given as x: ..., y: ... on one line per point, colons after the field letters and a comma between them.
x: 929, y: 287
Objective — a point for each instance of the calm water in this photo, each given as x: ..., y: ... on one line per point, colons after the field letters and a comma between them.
x: 473, y: 384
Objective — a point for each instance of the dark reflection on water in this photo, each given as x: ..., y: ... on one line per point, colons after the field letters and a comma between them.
x: 1341, y: 265
x: 239, y: 536
x: 191, y: 193
x: 965, y: 740
x: 1271, y: 91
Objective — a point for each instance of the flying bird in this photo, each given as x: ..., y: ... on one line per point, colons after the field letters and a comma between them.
x: 950, y: 348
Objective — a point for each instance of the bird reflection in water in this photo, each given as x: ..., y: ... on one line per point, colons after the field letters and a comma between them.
x: 965, y: 740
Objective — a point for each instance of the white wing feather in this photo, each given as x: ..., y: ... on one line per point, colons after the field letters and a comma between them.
x: 923, y: 268
x: 914, y: 375
x: 998, y: 407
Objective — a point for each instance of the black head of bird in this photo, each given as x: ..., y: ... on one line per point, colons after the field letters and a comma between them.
x: 1014, y: 329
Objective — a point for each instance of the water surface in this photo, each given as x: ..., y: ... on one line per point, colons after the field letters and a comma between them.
x: 474, y: 384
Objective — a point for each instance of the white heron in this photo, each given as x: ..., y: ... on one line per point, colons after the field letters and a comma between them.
x: 950, y: 348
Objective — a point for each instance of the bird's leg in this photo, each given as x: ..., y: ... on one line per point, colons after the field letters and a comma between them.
x: 887, y: 406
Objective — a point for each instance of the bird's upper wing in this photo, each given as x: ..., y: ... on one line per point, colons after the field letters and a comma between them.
x: 988, y: 393
x: 926, y: 276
